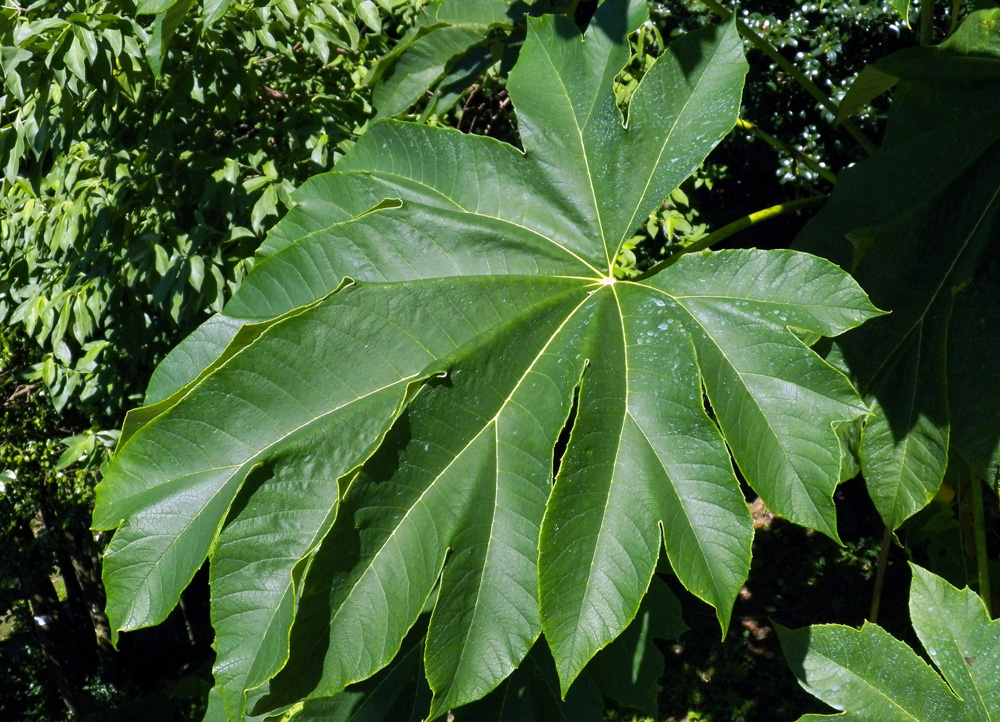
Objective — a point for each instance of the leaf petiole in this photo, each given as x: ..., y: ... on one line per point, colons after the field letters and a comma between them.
x: 730, y: 229
x: 926, y: 22
x: 883, y: 562
x: 979, y: 530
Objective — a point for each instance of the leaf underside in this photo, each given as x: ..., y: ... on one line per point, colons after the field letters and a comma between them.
x: 369, y: 432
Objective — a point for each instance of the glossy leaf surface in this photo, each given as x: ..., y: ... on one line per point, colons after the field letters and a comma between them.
x: 372, y: 430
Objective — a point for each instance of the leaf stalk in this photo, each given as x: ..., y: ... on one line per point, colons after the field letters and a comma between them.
x: 956, y: 8
x: 772, y: 52
x: 729, y: 229
x: 927, y: 22
x: 883, y: 562
x: 979, y: 531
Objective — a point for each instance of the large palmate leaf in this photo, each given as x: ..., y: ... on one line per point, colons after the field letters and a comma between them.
x: 372, y: 428
x: 873, y: 677
x: 928, y: 250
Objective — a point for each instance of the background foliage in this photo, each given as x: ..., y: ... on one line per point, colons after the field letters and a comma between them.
x: 134, y: 200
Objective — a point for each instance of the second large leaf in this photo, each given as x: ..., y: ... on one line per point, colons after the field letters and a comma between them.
x: 376, y: 425
x: 927, y: 249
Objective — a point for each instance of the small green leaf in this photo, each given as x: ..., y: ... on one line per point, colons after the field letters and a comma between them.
x: 266, y: 205
x: 62, y: 320
x: 77, y: 448
x: 167, y: 20
x: 154, y: 7
x: 196, y: 272
x: 215, y: 10
x: 48, y: 371
x: 368, y: 13
x: 115, y: 42
x: 82, y: 325
x: 89, y: 41
x: 76, y: 59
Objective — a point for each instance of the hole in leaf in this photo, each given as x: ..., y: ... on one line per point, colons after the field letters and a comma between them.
x: 707, y: 403
x: 559, y: 450
x: 584, y: 13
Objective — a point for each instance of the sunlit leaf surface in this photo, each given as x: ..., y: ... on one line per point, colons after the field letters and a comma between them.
x: 373, y: 428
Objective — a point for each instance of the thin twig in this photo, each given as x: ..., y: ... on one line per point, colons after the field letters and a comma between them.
x: 272, y: 93
x: 465, y: 106
x: 496, y: 116
x: 22, y: 390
